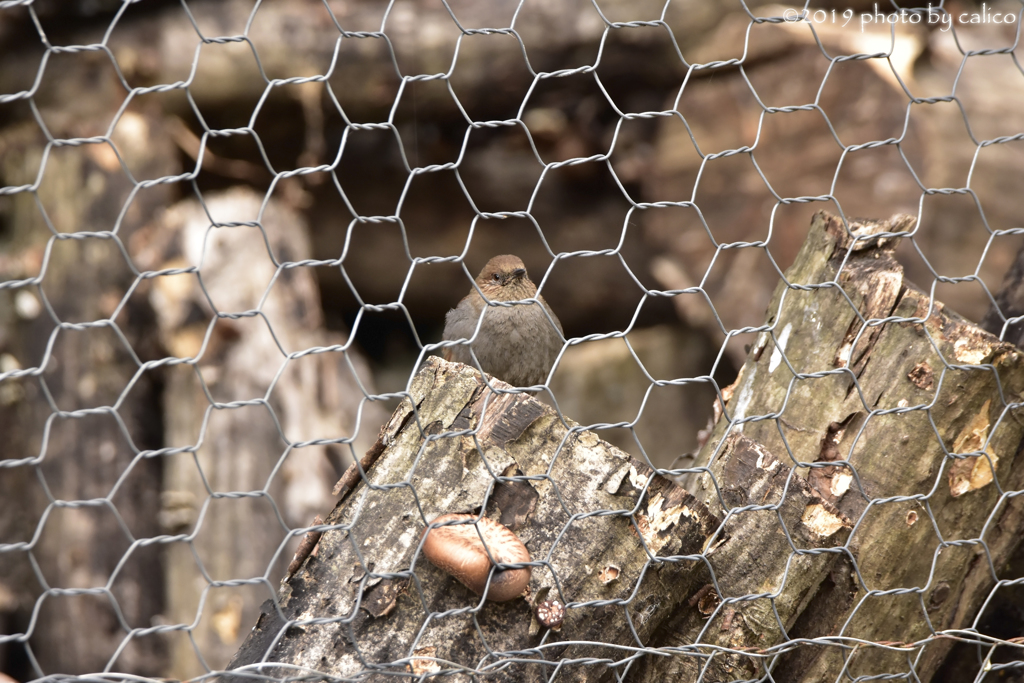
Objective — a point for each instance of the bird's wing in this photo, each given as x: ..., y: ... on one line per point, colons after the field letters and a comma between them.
x: 460, y: 323
x: 558, y: 323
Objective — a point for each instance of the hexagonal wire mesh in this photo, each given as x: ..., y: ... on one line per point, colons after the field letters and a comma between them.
x: 115, y: 513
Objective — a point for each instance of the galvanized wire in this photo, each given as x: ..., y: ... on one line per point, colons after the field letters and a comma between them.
x: 626, y: 655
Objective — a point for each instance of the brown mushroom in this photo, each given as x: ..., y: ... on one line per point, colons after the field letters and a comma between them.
x: 551, y: 613
x: 458, y: 550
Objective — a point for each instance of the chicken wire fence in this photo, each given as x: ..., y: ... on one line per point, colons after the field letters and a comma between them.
x: 168, y: 599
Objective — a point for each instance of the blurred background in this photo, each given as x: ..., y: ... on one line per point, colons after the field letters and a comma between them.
x: 162, y: 431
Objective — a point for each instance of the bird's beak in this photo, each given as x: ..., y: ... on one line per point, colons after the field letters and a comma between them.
x: 519, y: 273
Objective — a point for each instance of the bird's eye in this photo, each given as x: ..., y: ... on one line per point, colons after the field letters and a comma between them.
x: 496, y: 277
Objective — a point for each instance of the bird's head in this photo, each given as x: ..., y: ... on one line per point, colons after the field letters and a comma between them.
x: 504, y: 278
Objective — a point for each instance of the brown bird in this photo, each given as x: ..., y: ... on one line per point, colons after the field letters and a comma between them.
x: 517, y: 344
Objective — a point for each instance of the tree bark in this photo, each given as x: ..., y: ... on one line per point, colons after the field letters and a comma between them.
x: 798, y: 516
x: 570, y: 504
x: 887, y: 471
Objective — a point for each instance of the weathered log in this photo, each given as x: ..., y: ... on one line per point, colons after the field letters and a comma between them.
x: 569, y: 500
x: 571, y: 509
x: 761, y: 555
x: 895, y: 409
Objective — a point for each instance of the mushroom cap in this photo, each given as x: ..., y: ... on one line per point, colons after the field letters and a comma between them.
x: 459, y: 550
x: 551, y: 613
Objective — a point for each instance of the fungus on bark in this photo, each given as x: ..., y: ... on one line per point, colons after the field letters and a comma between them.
x: 551, y: 613
x: 460, y: 548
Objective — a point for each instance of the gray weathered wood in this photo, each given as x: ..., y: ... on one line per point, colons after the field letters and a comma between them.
x: 572, y: 476
x: 753, y: 559
x: 825, y: 419
x: 796, y: 550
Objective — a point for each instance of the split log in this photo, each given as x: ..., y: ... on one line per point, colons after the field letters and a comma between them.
x: 882, y: 421
x: 569, y: 498
x: 721, y: 581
